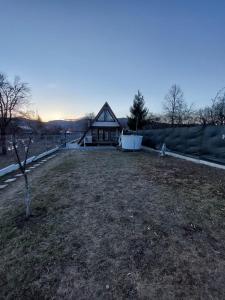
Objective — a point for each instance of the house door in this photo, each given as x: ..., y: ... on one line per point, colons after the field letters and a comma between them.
x: 100, y: 135
x: 106, y: 135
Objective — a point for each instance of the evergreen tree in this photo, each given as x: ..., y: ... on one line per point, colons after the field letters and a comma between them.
x: 138, y: 113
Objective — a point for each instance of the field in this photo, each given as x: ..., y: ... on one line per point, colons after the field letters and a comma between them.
x: 115, y: 225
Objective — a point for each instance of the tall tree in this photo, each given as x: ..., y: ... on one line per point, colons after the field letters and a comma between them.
x: 138, y: 113
x: 12, y: 97
x: 176, y: 109
x: 174, y: 104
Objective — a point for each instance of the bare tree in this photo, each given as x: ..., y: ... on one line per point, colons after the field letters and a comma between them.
x: 89, y: 117
x: 219, y: 109
x: 12, y: 97
x: 204, y: 115
x: 188, y: 114
x: 214, y: 114
x: 22, y: 165
x: 173, y: 104
x: 176, y: 109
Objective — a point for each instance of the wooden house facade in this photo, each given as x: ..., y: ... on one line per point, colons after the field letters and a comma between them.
x: 103, y: 130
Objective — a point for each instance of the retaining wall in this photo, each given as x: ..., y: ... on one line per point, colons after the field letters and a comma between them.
x: 204, y: 142
x: 15, y: 167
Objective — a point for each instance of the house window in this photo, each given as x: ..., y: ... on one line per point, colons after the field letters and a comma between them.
x: 105, y: 116
x: 113, y: 136
x: 95, y: 135
x: 100, y: 134
x: 106, y: 137
x: 102, y: 117
x: 108, y: 116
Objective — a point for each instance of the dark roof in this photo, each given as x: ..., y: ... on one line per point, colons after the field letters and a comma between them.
x: 105, y: 106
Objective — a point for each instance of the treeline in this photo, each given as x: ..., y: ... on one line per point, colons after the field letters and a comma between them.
x: 176, y: 111
x: 15, y: 117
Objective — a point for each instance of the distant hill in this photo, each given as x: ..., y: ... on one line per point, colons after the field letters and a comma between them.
x: 77, y: 125
x: 73, y: 125
x: 80, y: 125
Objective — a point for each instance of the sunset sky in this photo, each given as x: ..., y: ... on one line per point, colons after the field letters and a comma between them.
x: 76, y: 55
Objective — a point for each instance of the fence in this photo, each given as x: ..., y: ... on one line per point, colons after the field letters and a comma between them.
x: 203, y: 142
x: 40, y: 144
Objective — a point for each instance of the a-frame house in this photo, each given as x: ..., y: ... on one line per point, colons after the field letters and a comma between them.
x: 103, y: 130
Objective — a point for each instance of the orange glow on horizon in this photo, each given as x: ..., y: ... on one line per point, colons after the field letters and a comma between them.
x: 58, y: 116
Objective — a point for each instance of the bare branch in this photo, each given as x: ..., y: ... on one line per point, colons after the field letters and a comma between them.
x: 12, y: 97
x: 175, y: 107
x: 22, y: 168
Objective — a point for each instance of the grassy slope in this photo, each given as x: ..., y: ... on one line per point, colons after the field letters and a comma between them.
x: 115, y: 225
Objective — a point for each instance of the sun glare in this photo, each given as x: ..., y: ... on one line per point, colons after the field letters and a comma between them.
x: 52, y: 116
x: 58, y: 116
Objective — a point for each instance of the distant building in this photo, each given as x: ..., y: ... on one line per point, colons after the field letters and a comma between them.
x: 104, y: 129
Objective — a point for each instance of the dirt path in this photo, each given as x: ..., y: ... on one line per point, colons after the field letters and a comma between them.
x: 112, y: 225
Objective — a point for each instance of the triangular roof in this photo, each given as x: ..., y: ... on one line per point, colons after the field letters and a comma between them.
x: 105, y: 107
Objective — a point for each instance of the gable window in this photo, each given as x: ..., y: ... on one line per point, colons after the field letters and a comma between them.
x: 108, y: 116
x: 105, y: 116
x: 102, y: 116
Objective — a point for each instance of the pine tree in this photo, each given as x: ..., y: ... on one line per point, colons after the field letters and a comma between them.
x: 138, y: 113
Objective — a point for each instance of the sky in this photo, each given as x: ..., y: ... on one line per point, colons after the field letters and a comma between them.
x: 76, y: 55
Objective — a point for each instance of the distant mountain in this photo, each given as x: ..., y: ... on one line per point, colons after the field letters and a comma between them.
x: 74, y: 125
x: 77, y: 125
x: 26, y: 125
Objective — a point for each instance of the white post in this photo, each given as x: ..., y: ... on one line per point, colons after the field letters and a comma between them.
x: 163, y: 150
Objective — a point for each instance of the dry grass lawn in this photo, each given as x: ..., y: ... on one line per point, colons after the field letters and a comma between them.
x: 113, y: 225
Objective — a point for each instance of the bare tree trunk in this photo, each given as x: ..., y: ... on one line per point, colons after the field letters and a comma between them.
x: 3, y: 141
x: 27, y: 197
x: 172, y: 120
x: 22, y: 167
x: 136, y: 125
